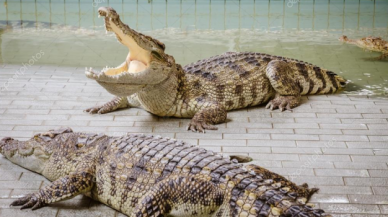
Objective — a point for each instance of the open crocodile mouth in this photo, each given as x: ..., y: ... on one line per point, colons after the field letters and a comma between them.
x: 145, y: 64
x: 138, y: 58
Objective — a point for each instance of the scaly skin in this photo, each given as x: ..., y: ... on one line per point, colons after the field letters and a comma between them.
x: 371, y: 43
x: 142, y: 175
x: 207, y: 89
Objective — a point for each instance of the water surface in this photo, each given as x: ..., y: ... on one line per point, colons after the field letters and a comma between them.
x: 70, y: 34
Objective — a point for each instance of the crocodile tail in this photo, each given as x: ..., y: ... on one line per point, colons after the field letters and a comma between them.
x: 315, y: 80
x: 283, y: 197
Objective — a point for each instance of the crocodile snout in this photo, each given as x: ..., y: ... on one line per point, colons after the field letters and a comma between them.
x: 3, y: 142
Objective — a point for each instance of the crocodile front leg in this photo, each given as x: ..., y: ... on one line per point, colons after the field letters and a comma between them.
x: 61, y: 189
x: 113, y: 105
x: 282, y: 80
x: 212, y: 113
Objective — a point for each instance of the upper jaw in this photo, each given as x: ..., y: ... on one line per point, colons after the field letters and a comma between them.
x: 109, y: 14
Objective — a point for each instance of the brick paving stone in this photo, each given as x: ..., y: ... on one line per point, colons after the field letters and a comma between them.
x: 16, y: 212
x: 293, y: 115
x: 324, y: 144
x: 294, y: 137
x: 378, y: 126
x: 191, y: 135
x: 298, y: 164
x: 295, y: 125
x: 318, y: 131
x: 345, y: 138
x: 283, y: 150
x: 86, y: 212
x: 278, y: 131
x: 350, y: 208
x: 364, y: 121
x: 319, y: 158
x: 348, y: 151
x: 347, y: 190
x: 318, y: 120
x: 271, y: 143
x: 342, y: 172
x: 215, y: 142
x: 384, y: 209
x: 329, y: 198
x: 379, y: 116
x: 368, y: 199
x: 363, y: 215
x: 245, y: 136
x: 369, y: 158
x: 367, y: 144
x: 272, y: 120
x: 321, y: 115
x: 318, y: 181
x: 264, y: 125
x: 380, y: 190
x: 360, y: 165
x: 20, y: 184
x: 373, y: 133
x: 378, y: 173
x: 378, y: 138
x: 247, y: 149
x: 280, y: 157
x: 343, y: 126
x: 5, y: 194
x: 366, y: 181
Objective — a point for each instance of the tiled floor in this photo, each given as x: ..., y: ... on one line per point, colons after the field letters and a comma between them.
x: 338, y: 143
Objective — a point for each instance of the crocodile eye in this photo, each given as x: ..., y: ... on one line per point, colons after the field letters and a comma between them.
x: 156, y: 55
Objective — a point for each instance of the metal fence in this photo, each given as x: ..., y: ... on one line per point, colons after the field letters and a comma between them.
x: 206, y: 14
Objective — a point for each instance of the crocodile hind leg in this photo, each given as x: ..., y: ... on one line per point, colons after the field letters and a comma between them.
x: 113, y: 105
x: 61, y: 189
x: 383, y: 56
x: 180, y: 196
x: 287, y: 89
x: 204, y: 119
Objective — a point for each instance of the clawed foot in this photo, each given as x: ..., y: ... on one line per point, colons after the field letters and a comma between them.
x: 29, y: 201
x: 113, y: 105
x: 200, y: 126
x: 102, y: 109
x: 283, y: 103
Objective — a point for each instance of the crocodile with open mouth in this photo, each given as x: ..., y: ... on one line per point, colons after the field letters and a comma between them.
x: 205, y: 90
x: 371, y: 43
x: 141, y: 175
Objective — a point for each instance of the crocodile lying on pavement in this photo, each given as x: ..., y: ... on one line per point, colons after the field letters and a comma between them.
x: 205, y: 90
x: 141, y: 175
x: 369, y: 43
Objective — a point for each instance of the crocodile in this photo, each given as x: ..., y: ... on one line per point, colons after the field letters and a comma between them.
x: 145, y: 175
x: 371, y: 43
x: 205, y: 90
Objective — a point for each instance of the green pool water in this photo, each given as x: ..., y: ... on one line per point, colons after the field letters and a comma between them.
x: 69, y: 33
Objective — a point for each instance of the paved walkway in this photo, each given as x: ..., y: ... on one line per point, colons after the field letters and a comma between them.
x: 338, y: 143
